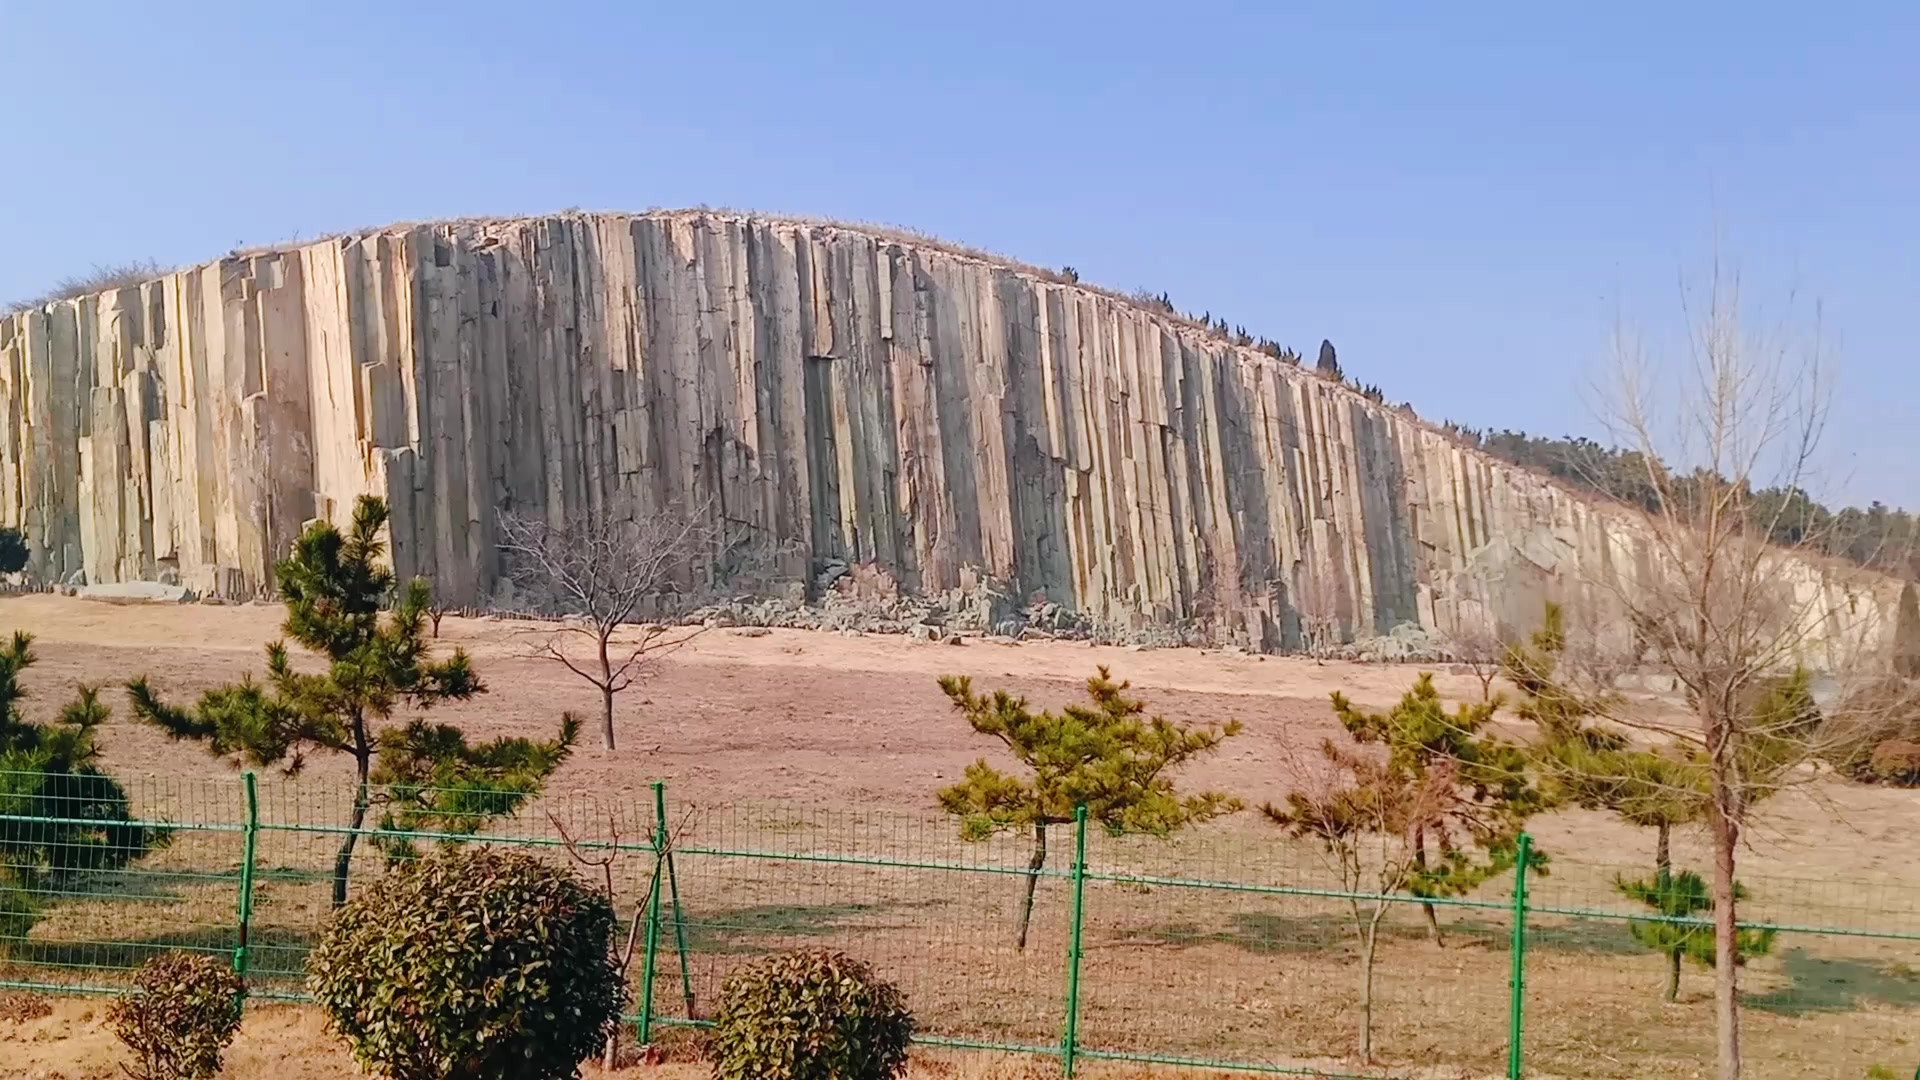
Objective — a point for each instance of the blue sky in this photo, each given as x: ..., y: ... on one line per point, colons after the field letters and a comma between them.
x: 1464, y: 200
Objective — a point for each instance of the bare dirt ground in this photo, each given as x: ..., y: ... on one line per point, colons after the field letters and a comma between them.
x: 286, y: 1042
x: 852, y: 725
x: 821, y: 718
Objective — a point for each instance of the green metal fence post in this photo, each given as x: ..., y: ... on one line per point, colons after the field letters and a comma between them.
x: 240, y: 958
x: 653, y: 918
x: 673, y: 884
x: 1070, y: 1039
x: 1517, y: 984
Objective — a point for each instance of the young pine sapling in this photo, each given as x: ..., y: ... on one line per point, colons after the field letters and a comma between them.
x: 1108, y: 756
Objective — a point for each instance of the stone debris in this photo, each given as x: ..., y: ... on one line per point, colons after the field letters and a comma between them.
x: 885, y: 419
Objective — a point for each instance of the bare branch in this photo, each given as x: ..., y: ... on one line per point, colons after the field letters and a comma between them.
x: 600, y: 575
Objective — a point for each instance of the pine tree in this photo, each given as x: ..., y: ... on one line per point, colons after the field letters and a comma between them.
x: 1368, y: 815
x: 1328, y: 363
x: 51, y: 771
x: 1685, y: 896
x: 1108, y: 756
x: 427, y: 776
x: 1493, y: 776
x: 1660, y: 787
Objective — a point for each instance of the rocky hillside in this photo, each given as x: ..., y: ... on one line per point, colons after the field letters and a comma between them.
x: 842, y: 397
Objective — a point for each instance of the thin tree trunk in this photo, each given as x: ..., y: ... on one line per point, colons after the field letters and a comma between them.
x: 1663, y: 879
x: 1033, y: 879
x: 606, y: 696
x: 343, y: 861
x: 1726, y: 940
x: 610, y: 1057
x: 1420, y: 867
x: 1368, y: 939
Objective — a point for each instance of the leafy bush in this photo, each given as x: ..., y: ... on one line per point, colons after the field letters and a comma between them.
x: 471, y: 963
x: 13, y: 550
x: 812, y: 1014
x: 179, y: 1017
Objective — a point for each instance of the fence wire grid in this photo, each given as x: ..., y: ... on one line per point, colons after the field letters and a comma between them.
x: 1224, y: 949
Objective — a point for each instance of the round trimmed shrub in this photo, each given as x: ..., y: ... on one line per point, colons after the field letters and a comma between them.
x: 471, y: 963
x: 179, y: 1017
x: 812, y: 1014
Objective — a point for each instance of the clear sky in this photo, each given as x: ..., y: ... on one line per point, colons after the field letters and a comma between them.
x: 1464, y: 197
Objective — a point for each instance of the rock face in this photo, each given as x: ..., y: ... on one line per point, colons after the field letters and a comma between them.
x: 846, y: 397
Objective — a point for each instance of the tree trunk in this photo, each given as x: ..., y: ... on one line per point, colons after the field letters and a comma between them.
x: 1367, y: 939
x: 1663, y: 879
x: 343, y: 861
x: 1420, y: 867
x: 606, y: 696
x: 1726, y: 941
x: 1033, y: 879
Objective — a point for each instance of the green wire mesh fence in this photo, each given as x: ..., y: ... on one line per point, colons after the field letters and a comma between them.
x: 1224, y: 949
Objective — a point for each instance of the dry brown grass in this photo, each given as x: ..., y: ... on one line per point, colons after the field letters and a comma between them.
x: 102, y: 278
x: 804, y: 742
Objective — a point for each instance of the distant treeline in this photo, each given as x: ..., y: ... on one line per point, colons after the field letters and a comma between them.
x: 1878, y: 536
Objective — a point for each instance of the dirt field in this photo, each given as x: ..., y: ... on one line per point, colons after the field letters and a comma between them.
x: 805, y: 738
x: 286, y: 1042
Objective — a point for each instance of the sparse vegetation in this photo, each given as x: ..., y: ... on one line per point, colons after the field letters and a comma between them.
x: 1477, y: 645
x: 601, y: 575
x: 1876, y: 535
x: 1109, y: 757
x: 1714, y: 608
x: 471, y: 964
x: 183, y: 1011
x: 1373, y: 816
x: 99, y: 279
x: 812, y: 1014
x: 1593, y: 766
x: 429, y: 776
x: 1474, y: 790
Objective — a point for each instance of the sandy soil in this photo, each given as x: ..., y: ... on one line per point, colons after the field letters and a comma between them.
x: 67, y: 1039
x: 822, y: 718
x: 857, y: 724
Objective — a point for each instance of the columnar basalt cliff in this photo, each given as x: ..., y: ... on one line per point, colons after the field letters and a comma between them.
x: 841, y: 394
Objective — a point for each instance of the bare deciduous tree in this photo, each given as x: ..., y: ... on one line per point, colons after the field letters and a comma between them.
x: 602, y: 855
x: 1476, y: 644
x: 599, y: 576
x: 1367, y: 814
x: 1718, y: 607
